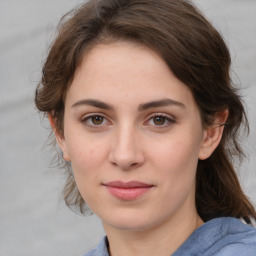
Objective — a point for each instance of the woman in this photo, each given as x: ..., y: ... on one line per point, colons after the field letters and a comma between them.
x: 139, y: 97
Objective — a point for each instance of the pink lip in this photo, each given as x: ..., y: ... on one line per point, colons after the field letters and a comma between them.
x: 127, y: 190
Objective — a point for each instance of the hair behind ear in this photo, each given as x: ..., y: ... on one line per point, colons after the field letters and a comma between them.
x: 218, y: 191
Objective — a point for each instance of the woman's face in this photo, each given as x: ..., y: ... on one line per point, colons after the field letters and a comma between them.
x: 133, y: 134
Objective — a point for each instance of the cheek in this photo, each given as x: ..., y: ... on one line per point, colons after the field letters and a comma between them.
x: 86, y: 161
x: 176, y: 153
x: 177, y: 167
x: 86, y: 154
x: 86, y: 157
x: 176, y: 164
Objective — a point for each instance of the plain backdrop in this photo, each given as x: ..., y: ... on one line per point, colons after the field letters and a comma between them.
x: 33, y: 217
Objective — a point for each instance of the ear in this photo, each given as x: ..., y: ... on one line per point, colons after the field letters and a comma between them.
x: 59, y: 138
x: 212, y: 135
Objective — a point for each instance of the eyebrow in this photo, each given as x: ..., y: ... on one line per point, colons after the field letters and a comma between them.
x: 160, y: 103
x: 93, y: 103
x: 142, y: 107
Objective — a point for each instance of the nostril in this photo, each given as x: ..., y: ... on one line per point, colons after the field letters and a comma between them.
x: 125, y: 165
x: 125, y: 153
x: 113, y: 163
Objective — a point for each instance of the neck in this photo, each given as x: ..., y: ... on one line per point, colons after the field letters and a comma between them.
x: 162, y: 240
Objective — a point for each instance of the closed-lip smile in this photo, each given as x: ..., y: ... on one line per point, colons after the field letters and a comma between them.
x: 128, y: 190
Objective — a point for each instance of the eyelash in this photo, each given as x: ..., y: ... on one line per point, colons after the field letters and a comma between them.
x: 167, y: 118
x: 88, y: 120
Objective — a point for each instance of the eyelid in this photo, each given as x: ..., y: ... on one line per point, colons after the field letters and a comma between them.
x: 169, y: 116
x: 171, y: 119
x: 86, y: 117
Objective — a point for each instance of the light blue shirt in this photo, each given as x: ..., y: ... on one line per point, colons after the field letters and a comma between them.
x: 218, y: 237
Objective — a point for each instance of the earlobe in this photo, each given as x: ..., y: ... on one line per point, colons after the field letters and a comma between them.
x: 212, y: 135
x: 60, y: 139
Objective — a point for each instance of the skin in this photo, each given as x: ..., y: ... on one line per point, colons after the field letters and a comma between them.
x: 127, y: 139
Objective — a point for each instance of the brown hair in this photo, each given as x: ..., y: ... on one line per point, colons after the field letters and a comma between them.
x: 196, y: 54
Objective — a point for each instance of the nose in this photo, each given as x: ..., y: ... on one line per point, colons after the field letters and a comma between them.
x: 126, y: 150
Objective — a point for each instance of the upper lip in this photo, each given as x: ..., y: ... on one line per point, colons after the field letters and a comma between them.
x: 130, y: 184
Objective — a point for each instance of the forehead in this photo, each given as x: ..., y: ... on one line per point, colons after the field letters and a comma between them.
x: 124, y: 56
x: 128, y: 71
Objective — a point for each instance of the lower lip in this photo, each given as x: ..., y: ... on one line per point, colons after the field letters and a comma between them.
x: 128, y: 193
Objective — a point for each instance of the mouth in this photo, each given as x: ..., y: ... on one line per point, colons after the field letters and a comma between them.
x: 128, y: 190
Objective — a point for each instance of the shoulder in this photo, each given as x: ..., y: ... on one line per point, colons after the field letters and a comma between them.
x: 239, y: 239
x: 221, y: 237
x: 100, y: 250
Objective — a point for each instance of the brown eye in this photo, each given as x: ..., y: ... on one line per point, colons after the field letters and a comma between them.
x: 159, y: 120
x: 97, y: 120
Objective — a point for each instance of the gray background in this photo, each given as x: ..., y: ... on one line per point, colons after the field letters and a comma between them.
x: 33, y: 217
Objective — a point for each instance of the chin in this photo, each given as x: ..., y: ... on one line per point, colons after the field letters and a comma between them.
x: 136, y: 222
x: 131, y: 226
